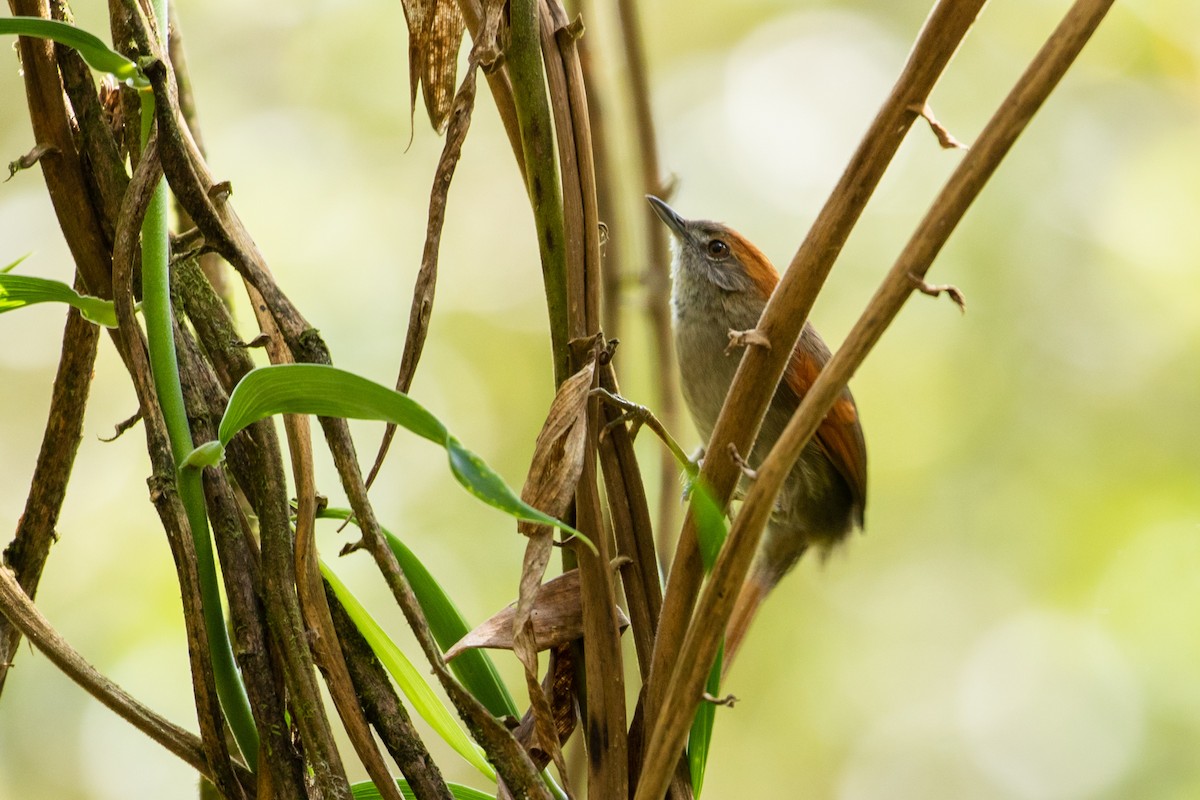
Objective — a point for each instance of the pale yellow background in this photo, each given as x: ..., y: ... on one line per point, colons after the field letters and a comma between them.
x: 1018, y: 623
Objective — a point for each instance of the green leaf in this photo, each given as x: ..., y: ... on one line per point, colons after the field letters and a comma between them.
x: 326, y: 392
x: 479, y: 479
x: 700, y: 739
x: 13, y: 265
x: 18, y: 291
x: 367, y: 791
x: 415, y: 687
x: 711, y: 529
x: 331, y: 392
x: 474, y: 668
x: 98, y: 55
x: 208, y: 454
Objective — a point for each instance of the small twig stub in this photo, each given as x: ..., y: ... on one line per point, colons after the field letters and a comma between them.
x: 750, y: 338
x: 935, y: 289
x: 944, y: 137
x: 29, y: 159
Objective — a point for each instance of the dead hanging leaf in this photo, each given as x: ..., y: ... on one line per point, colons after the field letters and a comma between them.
x: 558, y: 451
x: 556, y: 467
x: 435, y: 34
x: 558, y: 456
x: 556, y: 616
x: 559, y: 687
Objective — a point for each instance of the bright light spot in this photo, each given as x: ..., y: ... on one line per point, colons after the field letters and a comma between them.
x: 799, y: 93
x: 1050, y: 707
x: 119, y: 761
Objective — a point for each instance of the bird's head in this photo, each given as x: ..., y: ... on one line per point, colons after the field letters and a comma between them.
x: 716, y: 253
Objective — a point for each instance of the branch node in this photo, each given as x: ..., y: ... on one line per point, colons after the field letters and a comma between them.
x: 750, y: 338
x: 745, y: 467
x: 29, y: 159
x: 728, y: 701
x: 605, y: 356
x: 631, y: 412
x: 220, y: 192
x: 122, y: 426
x: 351, y: 547
x: 944, y: 137
x: 262, y: 340
x: 620, y: 561
x: 933, y: 290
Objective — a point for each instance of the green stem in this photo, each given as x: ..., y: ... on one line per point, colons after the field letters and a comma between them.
x: 527, y: 71
x: 164, y: 366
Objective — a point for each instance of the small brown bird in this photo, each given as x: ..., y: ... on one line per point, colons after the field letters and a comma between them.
x: 720, y: 283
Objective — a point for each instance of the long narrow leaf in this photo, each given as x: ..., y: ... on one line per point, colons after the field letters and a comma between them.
x: 474, y: 668
x: 326, y: 392
x: 18, y: 291
x: 331, y: 392
x: 700, y: 739
x: 94, y: 51
x: 711, y: 531
x: 410, y: 681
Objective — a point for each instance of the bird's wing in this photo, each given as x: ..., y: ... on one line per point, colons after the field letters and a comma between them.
x: 840, y: 434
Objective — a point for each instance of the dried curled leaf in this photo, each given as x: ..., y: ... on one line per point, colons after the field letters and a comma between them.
x: 557, y: 618
x: 435, y: 34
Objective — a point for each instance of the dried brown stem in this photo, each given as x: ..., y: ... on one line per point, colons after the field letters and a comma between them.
x: 475, y: 13
x: 210, y: 263
x: 761, y: 367
x: 314, y: 607
x: 657, y: 275
x: 630, y: 514
x: 716, y: 602
x: 281, y: 765
x: 606, y: 187
x: 426, y: 284
x: 603, y: 668
x: 61, y: 166
x: 27, y: 552
x: 502, y: 749
x: 18, y: 608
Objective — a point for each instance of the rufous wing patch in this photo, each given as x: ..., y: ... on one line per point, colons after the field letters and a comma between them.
x: 840, y: 434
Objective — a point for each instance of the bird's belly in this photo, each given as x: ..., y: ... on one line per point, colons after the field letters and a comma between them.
x: 705, y: 371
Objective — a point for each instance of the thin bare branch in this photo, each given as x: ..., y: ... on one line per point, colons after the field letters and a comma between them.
x: 716, y: 602
x: 657, y: 277
x: 18, y: 608
x: 604, y: 686
x: 30, y: 547
x: 426, y: 284
x: 761, y: 368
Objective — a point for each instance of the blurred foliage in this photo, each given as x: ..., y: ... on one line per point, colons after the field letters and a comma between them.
x: 1018, y: 621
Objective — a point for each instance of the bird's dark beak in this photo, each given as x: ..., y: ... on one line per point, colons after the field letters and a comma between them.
x: 676, y: 223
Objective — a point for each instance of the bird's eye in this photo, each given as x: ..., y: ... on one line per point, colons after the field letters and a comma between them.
x: 717, y: 249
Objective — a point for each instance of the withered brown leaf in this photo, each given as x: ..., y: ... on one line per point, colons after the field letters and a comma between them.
x: 556, y: 616
x: 435, y: 34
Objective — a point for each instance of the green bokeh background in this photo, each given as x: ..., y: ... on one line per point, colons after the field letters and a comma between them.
x: 1018, y: 621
